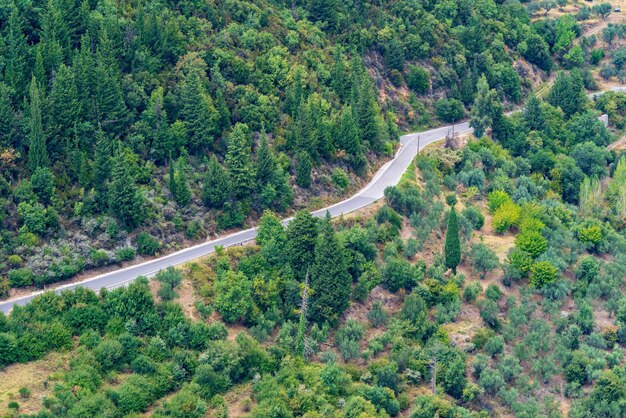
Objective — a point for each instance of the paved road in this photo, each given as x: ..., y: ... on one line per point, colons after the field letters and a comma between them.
x: 388, y: 175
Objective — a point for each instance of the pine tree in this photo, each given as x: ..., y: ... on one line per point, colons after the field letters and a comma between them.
x: 64, y: 112
x: 125, y: 200
x: 568, y: 93
x: 452, y: 249
x: 350, y: 141
x: 303, y: 170
x: 156, y: 128
x: 367, y: 112
x: 7, y: 117
x: 265, y: 163
x: 16, y: 54
x: 482, y: 111
x: 183, y: 193
x: 534, y: 119
x: 330, y: 279
x: 102, y: 169
x: 37, y: 152
x: 198, y: 112
x: 239, y: 162
x: 216, y: 185
x: 83, y: 65
x: 301, y: 239
x: 296, y: 93
x: 172, y: 176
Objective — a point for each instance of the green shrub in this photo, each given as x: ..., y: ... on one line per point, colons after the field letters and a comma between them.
x: 471, y: 292
x: 506, y: 216
x: 99, y: 257
x: 147, y: 244
x: 15, y: 261
x: 496, y: 199
x: 531, y: 242
x: 24, y: 392
x: 543, y: 272
x: 493, y: 293
x: 125, y: 254
x: 21, y: 277
x: 340, y: 179
x: 475, y: 217
x: 590, y: 235
x: 520, y: 260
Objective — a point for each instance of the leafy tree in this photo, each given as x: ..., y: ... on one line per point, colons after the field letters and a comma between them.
x: 418, y: 79
x: 449, y: 110
x: 183, y: 193
x: 42, y: 181
x: 452, y: 248
x: 233, y: 296
x: 269, y: 228
x: 568, y: 93
x: 603, y: 9
x: 330, y: 280
x: 397, y: 274
x: 531, y: 242
x: 483, y: 259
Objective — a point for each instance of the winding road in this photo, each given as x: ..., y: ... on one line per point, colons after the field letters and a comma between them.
x: 387, y: 175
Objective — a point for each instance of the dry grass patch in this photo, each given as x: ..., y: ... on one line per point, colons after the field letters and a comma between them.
x: 33, y: 376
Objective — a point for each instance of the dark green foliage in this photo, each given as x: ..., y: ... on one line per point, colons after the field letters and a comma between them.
x: 301, y: 242
x: 147, y: 244
x: 216, y: 185
x: 239, y: 162
x: 330, y: 279
x: 397, y: 273
x: 449, y: 110
x: 418, y: 79
x: 303, y: 170
x: 125, y: 199
x: 37, y: 149
x: 452, y: 249
x: 568, y: 93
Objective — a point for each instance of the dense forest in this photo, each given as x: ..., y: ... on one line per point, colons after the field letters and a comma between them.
x: 490, y: 283
x: 134, y: 128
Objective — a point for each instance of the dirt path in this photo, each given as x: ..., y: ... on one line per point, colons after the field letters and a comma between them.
x: 620, y: 144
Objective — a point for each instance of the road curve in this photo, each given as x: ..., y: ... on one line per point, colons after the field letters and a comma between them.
x: 387, y: 175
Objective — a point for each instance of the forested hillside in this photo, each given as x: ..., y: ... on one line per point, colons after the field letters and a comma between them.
x: 136, y: 127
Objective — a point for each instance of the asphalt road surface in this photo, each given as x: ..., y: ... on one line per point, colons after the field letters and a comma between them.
x: 387, y: 175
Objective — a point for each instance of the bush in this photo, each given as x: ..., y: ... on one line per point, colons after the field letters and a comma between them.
x: 590, y: 235
x: 24, y: 392
x: 147, y: 244
x: 340, y: 179
x: 418, y: 79
x: 496, y: 199
x: 483, y: 259
x: 531, y: 242
x: 125, y: 254
x: 15, y: 261
x: 493, y: 293
x: 481, y: 336
x: 543, y: 272
x: 475, y: 217
x: 471, y: 292
x: 494, y: 345
x: 397, y: 274
x: 347, y: 339
x: 506, y: 216
x: 520, y: 260
x: 21, y: 277
x: 377, y: 315
x: 99, y: 257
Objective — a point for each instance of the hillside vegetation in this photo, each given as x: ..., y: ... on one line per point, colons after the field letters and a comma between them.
x: 133, y: 128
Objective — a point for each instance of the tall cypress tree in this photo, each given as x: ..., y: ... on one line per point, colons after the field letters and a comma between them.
x: 125, y: 200
x: 7, y: 117
x: 265, y: 162
x: 102, y: 169
x: 183, y: 193
x: 37, y: 152
x: 330, y: 279
x: 239, y: 161
x: 64, y: 111
x: 301, y: 240
x: 216, y: 185
x: 172, y: 177
x: 452, y: 249
x: 16, y: 54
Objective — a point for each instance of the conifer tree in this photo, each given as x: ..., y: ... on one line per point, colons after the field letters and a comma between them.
x: 534, y: 119
x: 303, y: 170
x: 568, y: 93
x: 37, y: 152
x: 301, y: 240
x: 7, y: 117
x: 125, y: 200
x: 16, y: 54
x: 83, y: 65
x: 216, y: 185
x: 239, y: 162
x: 172, y: 176
x: 64, y: 112
x: 155, y: 126
x: 198, y: 112
x: 367, y: 112
x: 330, y: 279
x: 452, y: 249
x: 265, y: 162
x: 183, y: 193
x: 102, y: 168
x: 482, y: 111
